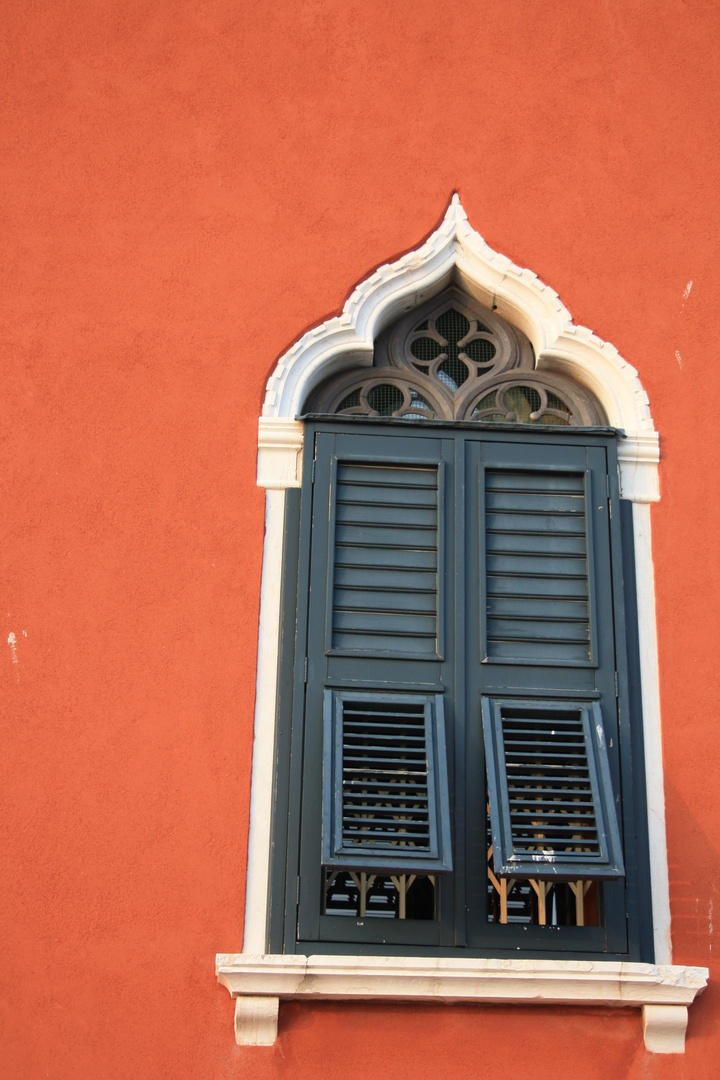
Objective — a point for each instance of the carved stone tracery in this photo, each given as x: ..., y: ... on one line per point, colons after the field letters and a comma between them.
x: 452, y: 359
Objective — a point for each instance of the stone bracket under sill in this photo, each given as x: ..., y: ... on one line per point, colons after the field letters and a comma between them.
x: 259, y: 983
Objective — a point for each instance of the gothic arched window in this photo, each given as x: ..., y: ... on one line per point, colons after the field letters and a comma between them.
x: 449, y: 755
x: 461, y: 748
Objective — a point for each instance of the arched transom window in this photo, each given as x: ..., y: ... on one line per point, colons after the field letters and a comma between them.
x: 453, y: 359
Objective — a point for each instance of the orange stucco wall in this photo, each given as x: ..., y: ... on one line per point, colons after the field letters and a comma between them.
x: 186, y: 188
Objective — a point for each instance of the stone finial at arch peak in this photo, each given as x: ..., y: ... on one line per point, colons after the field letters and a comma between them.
x: 456, y: 253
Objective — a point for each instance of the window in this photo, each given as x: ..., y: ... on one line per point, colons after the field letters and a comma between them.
x: 459, y: 752
x: 363, y: 380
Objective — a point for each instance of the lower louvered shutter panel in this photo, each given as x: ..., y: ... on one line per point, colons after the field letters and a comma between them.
x: 552, y: 810
x: 385, y: 786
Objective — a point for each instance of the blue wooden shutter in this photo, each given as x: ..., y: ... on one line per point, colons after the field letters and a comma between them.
x: 549, y: 693
x: 552, y: 808
x: 448, y: 567
x: 385, y: 787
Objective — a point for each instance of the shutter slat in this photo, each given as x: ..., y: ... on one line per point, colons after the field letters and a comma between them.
x: 378, y: 600
x: 379, y: 785
x: 371, y: 577
x: 552, y: 587
x: 538, y: 629
x: 529, y: 650
x: 388, y: 560
x: 535, y: 502
x: 516, y: 480
x: 374, y: 475
x: 375, y: 492
x: 545, y: 610
x: 535, y: 565
x: 385, y: 621
x: 376, y: 535
x: 385, y: 517
x: 534, y: 524
x: 527, y: 542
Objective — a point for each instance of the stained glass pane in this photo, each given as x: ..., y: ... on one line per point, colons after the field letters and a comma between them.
x: 425, y: 349
x: 350, y: 402
x: 522, y: 400
x: 554, y: 402
x: 455, y: 372
x: 480, y: 351
x: 552, y: 420
x: 452, y: 325
x: 385, y: 399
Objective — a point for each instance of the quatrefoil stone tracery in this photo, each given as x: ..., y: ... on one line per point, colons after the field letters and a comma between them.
x: 452, y: 348
x: 452, y: 359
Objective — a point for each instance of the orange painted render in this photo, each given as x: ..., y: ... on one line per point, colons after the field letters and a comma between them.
x: 186, y: 188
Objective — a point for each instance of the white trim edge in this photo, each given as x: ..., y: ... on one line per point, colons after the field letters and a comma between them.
x: 664, y: 992
x: 638, y: 459
x: 652, y: 733
x: 261, y: 787
x: 280, y: 443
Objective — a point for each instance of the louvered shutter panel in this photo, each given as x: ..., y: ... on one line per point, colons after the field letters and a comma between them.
x: 536, y: 566
x: 384, y: 595
x: 385, y: 786
x: 552, y: 810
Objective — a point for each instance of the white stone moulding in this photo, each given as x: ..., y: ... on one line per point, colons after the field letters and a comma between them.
x: 256, y: 1020
x: 456, y: 252
x: 664, y: 1028
x: 662, y: 992
x: 280, y: 443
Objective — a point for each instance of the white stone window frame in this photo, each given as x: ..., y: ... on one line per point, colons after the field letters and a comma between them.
x: 454, y: 254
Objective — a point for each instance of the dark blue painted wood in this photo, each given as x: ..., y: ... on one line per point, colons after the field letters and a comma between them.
x: 386, y: 805
x: 523, y: 610
x: 552, y: 807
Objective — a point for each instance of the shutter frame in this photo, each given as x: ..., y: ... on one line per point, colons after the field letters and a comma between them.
x: 461, y: 668
x: 607, y: 864
x: 343, y: 845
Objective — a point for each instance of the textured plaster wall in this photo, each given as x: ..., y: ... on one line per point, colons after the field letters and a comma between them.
x: 185, y: 189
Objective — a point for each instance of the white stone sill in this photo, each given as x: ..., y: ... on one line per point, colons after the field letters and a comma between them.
x: 259, y: 983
